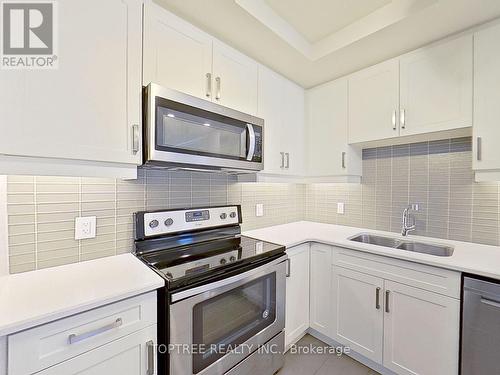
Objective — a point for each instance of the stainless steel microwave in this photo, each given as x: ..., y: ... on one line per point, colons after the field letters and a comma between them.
x: 182, y: 131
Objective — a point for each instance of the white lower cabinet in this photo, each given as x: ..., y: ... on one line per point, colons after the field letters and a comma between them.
x: 358, y: 318
x: 421, y: 334
x: 320, y: 309
x: 134, y: 354
x: 401, y: 315
x: 297, y: 294
x: 119, y: 338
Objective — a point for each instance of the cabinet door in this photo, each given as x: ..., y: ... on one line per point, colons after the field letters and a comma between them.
x: 235, y: 79
x: 357, y: 317
x: 271, y: 87
x: 293, y: 136
x: 436, y: 88
x: 89, y: 107
x: 176, y: 54
x: 421, y: 331
x: 297, y: 294
x: 131, y: 355
x: 374, y: 102
x: 320, y: 288
x: 327, y: 132
x: 486, y: 93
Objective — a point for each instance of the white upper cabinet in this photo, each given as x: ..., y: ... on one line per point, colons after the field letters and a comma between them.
x: 293, y: 135
x: 89, y: 108
x: 486, y: 101
x: 374, y: 103
x: 281, y: 105
x: 176, y: 54
x: 328, y: 152
x: 270, y: 102
x: 436, y: 87
x: 179, y: 56
x: 235, y: 78
x: 421, y: 331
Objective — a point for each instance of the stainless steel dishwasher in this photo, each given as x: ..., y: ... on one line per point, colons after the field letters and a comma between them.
x: 481, y: 327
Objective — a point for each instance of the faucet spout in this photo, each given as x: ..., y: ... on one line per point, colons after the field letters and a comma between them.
x: 408, y: 221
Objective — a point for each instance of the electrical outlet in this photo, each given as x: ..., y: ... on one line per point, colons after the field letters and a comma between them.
x: 85, y: 227
x: 259, y: 209
x: 340, y: 208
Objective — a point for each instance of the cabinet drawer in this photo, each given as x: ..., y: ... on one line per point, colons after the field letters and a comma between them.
x: 38, y: 348
x: 425, y: 277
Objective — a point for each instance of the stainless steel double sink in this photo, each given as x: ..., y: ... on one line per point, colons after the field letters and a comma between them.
x: 397, y: 243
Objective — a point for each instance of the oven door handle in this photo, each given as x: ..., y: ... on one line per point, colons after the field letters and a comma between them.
x: 250, y: 142
x: 241, y: 278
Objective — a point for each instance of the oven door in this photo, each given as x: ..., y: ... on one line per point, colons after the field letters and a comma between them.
x: 188, y: 130
x: 215, y: 326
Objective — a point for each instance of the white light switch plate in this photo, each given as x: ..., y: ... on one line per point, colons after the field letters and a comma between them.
x: 340, y: 208
x: 259, y: 209
x: 85, y: 227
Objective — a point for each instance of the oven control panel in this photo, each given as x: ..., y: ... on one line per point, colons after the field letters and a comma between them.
x: 197, y: 215
x: 172, y: 221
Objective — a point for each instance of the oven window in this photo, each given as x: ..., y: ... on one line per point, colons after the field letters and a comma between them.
x: 232, y: 318
x: 189, y: 133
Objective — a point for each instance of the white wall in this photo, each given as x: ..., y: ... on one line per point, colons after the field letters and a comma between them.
x: 4, y: 258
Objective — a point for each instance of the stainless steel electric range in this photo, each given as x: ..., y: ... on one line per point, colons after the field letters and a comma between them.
x: 222, y: 310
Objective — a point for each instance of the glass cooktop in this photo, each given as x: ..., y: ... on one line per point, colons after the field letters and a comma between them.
x: 183, y: 264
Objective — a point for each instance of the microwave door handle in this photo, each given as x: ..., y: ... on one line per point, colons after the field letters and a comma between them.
x: 250, y: 142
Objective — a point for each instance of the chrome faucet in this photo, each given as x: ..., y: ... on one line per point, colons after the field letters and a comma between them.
x: 408, y: 218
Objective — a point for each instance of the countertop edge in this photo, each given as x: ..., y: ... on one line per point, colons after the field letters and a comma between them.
x: 73, y: 310
x: 372, y: 249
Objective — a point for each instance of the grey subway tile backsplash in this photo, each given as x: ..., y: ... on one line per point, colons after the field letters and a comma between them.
x: 437, y: 175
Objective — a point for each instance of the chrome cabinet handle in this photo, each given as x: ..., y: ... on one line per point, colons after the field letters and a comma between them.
x: 150, y: 345
x: 343, y: 160
x: 377, y: 298
x: 479, y: 148
x: 402, y: 118
x: 288, y: 267
x: 287, y: 156
x: 394, y: 127
x: 208, y: 93
x: 387, y: 293
x: 74, y: 338
x: 282, y: 160
x: 136, y: 144
x: 218, y: 82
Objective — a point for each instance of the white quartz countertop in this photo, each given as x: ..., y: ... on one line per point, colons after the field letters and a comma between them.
x: 467, y: 257
x: 33, y: 298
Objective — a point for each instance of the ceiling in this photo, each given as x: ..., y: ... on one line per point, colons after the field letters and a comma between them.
x: 321, y: 18
x: 315, y: 41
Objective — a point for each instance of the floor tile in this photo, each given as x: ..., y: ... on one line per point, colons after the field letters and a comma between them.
x: 303, y: 362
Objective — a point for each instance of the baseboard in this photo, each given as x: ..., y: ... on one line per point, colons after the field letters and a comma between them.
x: 356, y: 356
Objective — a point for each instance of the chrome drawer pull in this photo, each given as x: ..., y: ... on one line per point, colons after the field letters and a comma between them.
x: 387, y: 293
x: 151, y: 357
x: 74, y: 338
x: 377, y: 298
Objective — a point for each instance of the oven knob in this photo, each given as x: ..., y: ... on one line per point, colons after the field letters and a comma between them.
x: 232, y: 215
x: 223, y: 216
x: 223, y: 261
x: 153, y: 224
x: 232, y: 258
x: 169, y: 222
